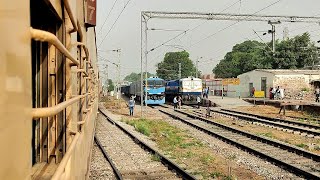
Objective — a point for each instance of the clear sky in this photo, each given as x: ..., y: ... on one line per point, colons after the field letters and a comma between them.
x: 125, y: 34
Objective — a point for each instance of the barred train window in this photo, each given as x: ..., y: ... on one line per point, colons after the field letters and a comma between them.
x: 48, y: 85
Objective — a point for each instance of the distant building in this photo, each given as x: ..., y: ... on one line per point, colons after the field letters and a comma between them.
x: 293, y: 81
x: 207, y: 76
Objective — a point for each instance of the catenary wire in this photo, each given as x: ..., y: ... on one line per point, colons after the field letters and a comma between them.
x: 114, y: 23
x: 105, y: 20
x: 197, y: 26
x: 227, y: 27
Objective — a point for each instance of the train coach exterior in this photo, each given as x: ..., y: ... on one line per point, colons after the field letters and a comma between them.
x: 49, y: 88
x: 188, y: 88
x: 125, y: 90
x: 155, y: 90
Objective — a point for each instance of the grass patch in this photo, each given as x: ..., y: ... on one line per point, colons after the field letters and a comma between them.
x: 155, y: 157
x: 141, y: 125
x: 302, y: 145
x: 268, y: 134
x: 177, y: 144
x: 184, y: 149
x: 207, y: 159
x: 220, y: 175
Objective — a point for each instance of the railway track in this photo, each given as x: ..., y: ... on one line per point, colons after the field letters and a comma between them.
x: 131, y: 156
x: 293, y: 159
x: 107, y: 161
x: 301, y: 128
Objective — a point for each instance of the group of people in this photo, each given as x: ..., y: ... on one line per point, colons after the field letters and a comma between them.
x: 276, y: 93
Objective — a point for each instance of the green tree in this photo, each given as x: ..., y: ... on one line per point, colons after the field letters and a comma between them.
x: 243, y: 57
x: 133, y: 77
x: 169, y: 68
x: 296, y: 52
x: 110, y: 85
x: 293, y: 53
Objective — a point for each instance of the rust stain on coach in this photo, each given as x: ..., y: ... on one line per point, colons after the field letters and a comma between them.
x: 91, y: 13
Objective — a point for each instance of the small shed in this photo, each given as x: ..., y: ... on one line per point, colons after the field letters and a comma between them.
x: 293, y: 81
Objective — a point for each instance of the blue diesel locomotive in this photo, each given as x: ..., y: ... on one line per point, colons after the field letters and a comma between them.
x: 155, y: 90
x: 187, y: 88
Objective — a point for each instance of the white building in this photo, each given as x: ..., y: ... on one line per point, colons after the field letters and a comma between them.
x: 293, y: 81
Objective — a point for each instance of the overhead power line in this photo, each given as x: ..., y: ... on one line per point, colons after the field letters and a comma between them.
x: 114, y: 23
x: 194, y: 28
x: 105, y: 20
x: 162, y: 44
x: 202, y: 23
x: 227, y: 27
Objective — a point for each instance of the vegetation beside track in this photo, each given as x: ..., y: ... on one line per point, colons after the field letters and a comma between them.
x: 188, y: 151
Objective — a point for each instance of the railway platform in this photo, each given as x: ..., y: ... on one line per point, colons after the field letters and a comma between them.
x: 228, y: 102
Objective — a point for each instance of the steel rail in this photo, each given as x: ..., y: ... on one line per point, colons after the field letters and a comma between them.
x: 287, y: 126
x: 105, y: 154
x: 281, y: 145
x: 272, y: 123
x: 51, y: 111
x: 305, y: 118
x: 71, y: 16
x: 272, y: 119
x: 163, y: 159
x: 289, y: 167
x: 44, y: 36
x: 60, y: 170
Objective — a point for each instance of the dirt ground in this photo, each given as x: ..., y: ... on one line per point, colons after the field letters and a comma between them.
x: 191, y: 152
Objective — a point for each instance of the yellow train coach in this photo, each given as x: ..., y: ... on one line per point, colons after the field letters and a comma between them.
x: 48, y: 88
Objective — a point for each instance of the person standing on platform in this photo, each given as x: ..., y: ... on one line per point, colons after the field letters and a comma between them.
x: 207, y: 92
x: 317, y: 93
x: 273, y: 92
x: 252, y: 91
x: 175, y: 102
x: 131, y: 104
x: 198, y: 101
x: 277, y: 93
x: 281, y: 93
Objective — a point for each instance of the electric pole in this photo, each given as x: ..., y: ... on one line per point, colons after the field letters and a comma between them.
x: 196, y: 75
x: 273, y: 32
x: 119, y: 74
x: 197, y: 68
x: 146, y: 58
x: 179, y: 70
x: 107, y: 80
